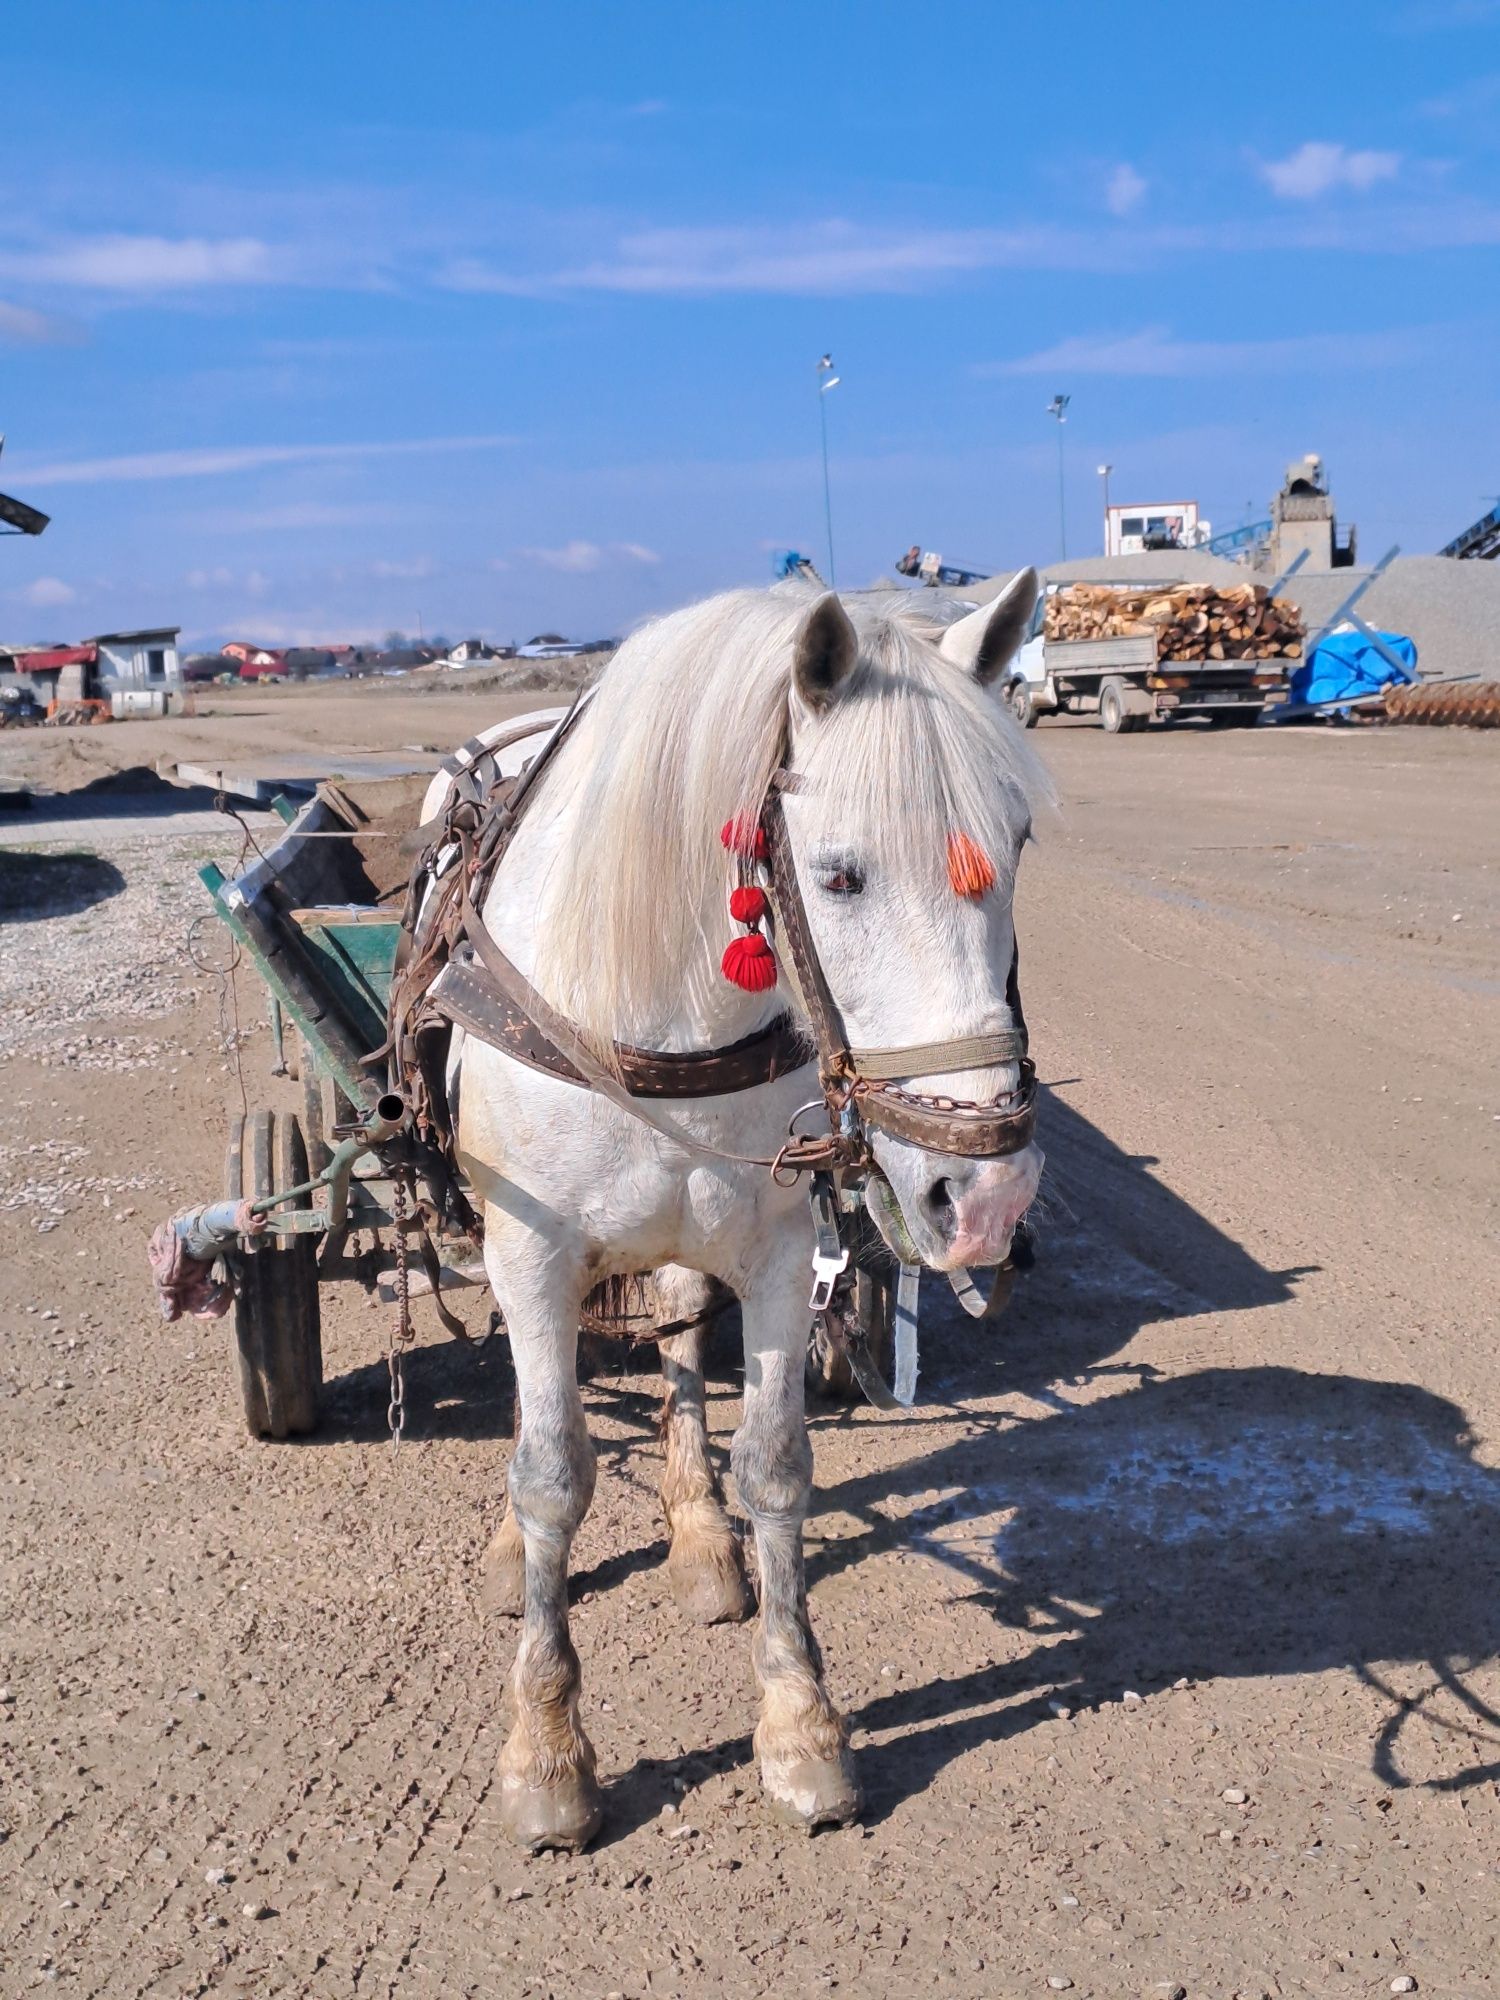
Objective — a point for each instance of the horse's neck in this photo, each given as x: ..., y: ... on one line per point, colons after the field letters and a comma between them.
x: 707, y: 1012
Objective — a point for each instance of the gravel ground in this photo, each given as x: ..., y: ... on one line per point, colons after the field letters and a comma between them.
x: 1167, y: 1624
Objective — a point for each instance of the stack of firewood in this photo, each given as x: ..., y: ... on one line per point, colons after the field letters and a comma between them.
x: 1193, y: 621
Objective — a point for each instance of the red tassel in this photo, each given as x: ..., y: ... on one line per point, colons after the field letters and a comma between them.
x: 745, y: 836
x: 970, y: 870
x: 749, y: 962
x: 747, y: 905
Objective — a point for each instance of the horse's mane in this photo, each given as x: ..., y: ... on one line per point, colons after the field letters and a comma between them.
x: 684, y: 730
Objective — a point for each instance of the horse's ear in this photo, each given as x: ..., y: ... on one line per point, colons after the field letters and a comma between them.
x: 827, y: 649
x: 990, y: 636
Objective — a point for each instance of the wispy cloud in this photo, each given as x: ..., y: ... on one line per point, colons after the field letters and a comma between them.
x: 300, y: 514
x: 1428, y: 17
x: 1154, y: 351
x: 203, y: 461
x: 46, y: 593
x: 252, y: 583
x: 123, y: 263
x: 819, y: 259
x: 1473, y: 98
x: 1319, y: 166
x: 409, y: 571
x: 1125, y: 190
x: 27, y: 328
x: 578, y: 558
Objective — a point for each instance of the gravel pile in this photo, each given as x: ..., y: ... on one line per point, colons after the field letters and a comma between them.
x: 1451, y: 609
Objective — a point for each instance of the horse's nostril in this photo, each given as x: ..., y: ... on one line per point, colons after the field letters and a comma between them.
x: 940, y: 1202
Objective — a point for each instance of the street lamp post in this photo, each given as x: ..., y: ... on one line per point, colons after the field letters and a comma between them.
x: 1058, y: 408
x: 1104, y: 472
x: 827, y: 380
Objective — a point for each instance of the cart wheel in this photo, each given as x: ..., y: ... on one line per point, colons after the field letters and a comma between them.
x: 315, y: 1121
x: 828, y: 1373
x: 277, y: 1328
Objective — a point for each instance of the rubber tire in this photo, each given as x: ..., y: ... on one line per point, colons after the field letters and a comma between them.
x: 1112, y: 717
x: 278, y: 1334
x: 828, y: 1373
x: 1018, y: 699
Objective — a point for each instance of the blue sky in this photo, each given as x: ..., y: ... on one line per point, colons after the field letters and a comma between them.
x: 316, y: 321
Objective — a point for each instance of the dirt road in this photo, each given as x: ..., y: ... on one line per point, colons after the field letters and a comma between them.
x: 1168, y: 1625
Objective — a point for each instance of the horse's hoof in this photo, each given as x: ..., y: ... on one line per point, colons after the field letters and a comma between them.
x: 566, y: 1815
x: 711, y: 1593
x: 812, y: 1792
x: 502, y: 1577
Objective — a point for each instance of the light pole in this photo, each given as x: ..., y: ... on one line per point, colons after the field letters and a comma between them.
x: 1104, y: 472
x: 1058, y: 408
x: 827, y: 380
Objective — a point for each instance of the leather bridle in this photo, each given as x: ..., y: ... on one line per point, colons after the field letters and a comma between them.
x: 861, y: 1087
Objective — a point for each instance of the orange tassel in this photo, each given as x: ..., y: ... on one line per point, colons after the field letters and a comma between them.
x: 970, y: 869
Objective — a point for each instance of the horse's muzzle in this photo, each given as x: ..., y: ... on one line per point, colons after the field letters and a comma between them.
x: 962, y: 1213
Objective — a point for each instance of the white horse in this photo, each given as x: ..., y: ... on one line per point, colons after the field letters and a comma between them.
x: 613, y: 900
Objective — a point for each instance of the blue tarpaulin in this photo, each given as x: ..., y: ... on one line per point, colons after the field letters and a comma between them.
x: 1347, y: 665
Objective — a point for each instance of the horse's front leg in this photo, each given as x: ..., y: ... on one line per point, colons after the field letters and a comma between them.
x: 502, y: 1567
x: 800, y: 1740
x: 705, y: 1568
x: 548, y: 1793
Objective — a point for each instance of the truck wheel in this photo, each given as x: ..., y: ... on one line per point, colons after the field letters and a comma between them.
x: 277, y: 1325
x: 1112, y: 717
x: 1022, y: 707
x: 828, y: 1373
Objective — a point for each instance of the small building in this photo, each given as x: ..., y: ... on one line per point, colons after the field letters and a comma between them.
x: 467, y: 653
x: 257, y: 663
x: 1141, y: 527
x: 53, y: 673
x: 132, y: 662
x: 547, y: 646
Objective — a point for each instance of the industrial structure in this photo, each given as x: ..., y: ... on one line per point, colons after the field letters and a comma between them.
x: 1480, y: 542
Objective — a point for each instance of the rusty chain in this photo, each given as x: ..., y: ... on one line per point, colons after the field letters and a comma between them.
x: 401, y: 1335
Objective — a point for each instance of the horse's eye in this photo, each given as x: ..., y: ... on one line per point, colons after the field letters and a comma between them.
x: 845, y: 881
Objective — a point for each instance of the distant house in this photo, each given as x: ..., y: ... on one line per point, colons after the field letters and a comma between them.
x: 259, y: 663
x: 547, y: 646
x: 467, y: 652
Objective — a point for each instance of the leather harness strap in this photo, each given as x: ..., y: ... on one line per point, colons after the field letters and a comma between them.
x: 473, y: 998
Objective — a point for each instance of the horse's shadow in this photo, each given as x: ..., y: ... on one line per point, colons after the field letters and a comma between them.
x: 1228, y: 1522
x: 1218, y: 1522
